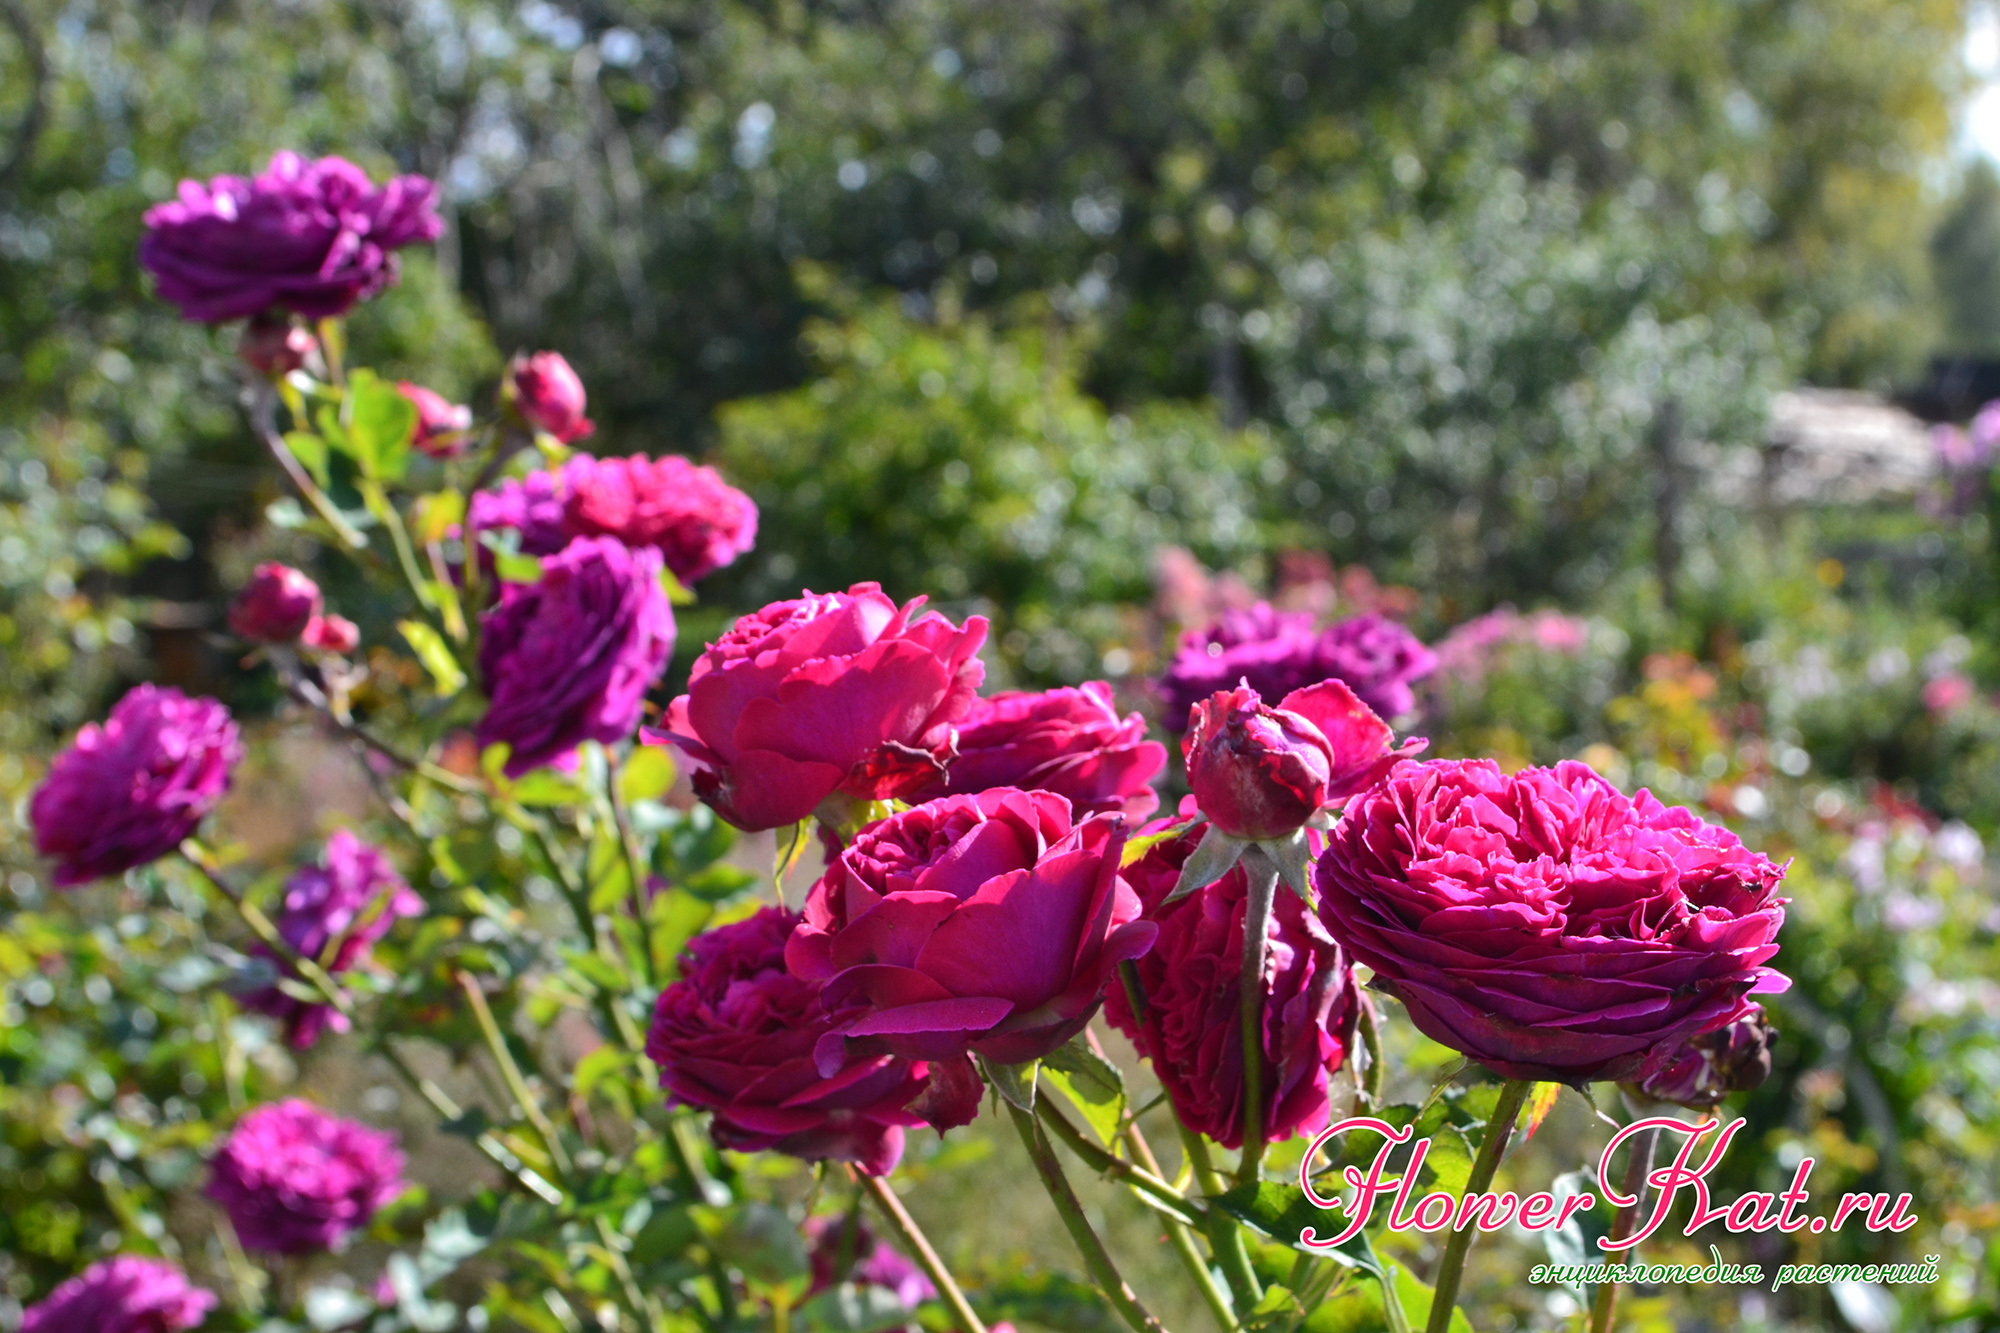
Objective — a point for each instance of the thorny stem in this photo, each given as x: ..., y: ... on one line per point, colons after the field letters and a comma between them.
x: 1095, y: 1257
x: 304, y: 692
x: 1637, y: 1167
x: 1451, y: 1268
x: 1097, y: 1159
x: 1263, y: 884
x: 1371, y: 1041
x: 912, y: 1235
x: 510, y: 1073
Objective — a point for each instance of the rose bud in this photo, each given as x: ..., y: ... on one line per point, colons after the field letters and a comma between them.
x: 332, y: 634
x: 311, y: 237
x: 1545, y: 924
x: 273, y: 346
x: 1068, y: 741
x: 547, y: 395
x: 294, y: 1179
x: 1702, y: 1070
x: 1260, y: 774
x: 832, y: 695
x: 441, y: 425
x: 569, y: 659
x: 736, y: 1035
x: 275, y: 606
x: 125, y: 1294
x: 354, y: 899
x: 1191, y: 981
x: 127, y: 792
x: 985, y: 923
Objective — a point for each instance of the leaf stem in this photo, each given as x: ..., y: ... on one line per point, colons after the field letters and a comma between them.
x: 263, y: 414
x: 1263, y: 884
x: 1181, y: 1236
x: 510, y: 1072
x: 1104, y: 1163
x: 1638, y: 1166
x: 1451, y: 1268
x: 1095, y: 1257
x: 912, y: 1235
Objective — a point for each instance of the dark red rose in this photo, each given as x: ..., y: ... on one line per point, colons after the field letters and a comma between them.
x: 1068, y: 741
x: 272, y: 345
x: 985, y: 923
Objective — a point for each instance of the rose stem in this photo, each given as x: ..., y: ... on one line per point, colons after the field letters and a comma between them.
x: 1182, y: 1237
x: 1452, y: 1267
x: 1637, y: 1167
x: 913, y: 1236
x: 510, y: 1073
x: 1371, y: 1041
x: 1097, y: 1159
x: 263, y: 415
x: 1263, y: 877
x: 1225, y: 1238
x: 1095, y: 1257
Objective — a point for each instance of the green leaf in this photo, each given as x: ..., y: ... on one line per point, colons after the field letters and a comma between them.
x: 647, y: 774
x: 1014, y: 1082
x: 493, y: 763
x: 380, y: 422
x: 436, y: 655
x: 848, y: 1308
x: 758, y: 1239
x: 513, y: 567
x: 676, y: 592
x: 310, y: 450
x: 1283, y: 1211
x: 433, y: 516
x: 548, y: 787
x: 601, y: 1064
x: 1277, y: 1312
x: 718, y: 883
x: 1415, y: 1299
x: 1091, y: 1083
x: 1138, y: 847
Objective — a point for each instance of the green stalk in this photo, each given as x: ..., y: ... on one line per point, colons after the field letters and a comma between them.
x: 1262, y: 873
x: 1451, y: 1268
x: 1104, y: 1163
x: 1095, y: 1257
x: 1637, y: 1167
x: 510, y: 1073
x: 913, y: 1236
x: 1181, y: 1236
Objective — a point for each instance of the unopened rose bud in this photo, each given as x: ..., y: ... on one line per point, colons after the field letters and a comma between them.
x: 441, y: 424
x: 548, y: 395
x: 1702, y: 1070
x: 273, y: 346
x: 275, y: 606
x: 332, y: 634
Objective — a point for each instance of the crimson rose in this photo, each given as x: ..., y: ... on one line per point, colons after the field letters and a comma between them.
x: 1544, y: 923
x: 1068, y: 741
x: 833, y: 693
x: 987, y: 923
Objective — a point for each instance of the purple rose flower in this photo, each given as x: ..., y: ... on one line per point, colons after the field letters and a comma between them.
x: 1068, y: 741
x: 569, y: 659
x: 844, y: 1249
x: 128, y: 791
x: 1544, y: 923
x: 312, y: 237
x: 276, y: 605
x: 294, y: 1179
x: 735, y: 1036
x: 535, y: 506
x: 126, y: 1294
x: 1277, y: 652
x: 1192, y: 983
x: 344, y: 906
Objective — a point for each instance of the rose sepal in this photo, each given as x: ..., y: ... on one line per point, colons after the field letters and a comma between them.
x: 1215, y: 857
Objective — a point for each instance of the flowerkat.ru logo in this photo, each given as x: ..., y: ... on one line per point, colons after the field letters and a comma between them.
x: 1753, y: 1212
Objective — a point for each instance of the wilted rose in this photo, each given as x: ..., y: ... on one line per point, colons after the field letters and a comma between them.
x: 1704, y: 1069
x: 832, y: 693
x: 274, y: 346
x: 735, y: 1036
x: 128, y: 791
x: 1544, y: 923
x: 985, y: 923
x: 311, y: 237
x: 1192, y: 987
x: 569, y: 659
x: 1068, y: 741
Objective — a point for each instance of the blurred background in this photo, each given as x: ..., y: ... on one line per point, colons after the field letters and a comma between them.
x: 1616, y: 346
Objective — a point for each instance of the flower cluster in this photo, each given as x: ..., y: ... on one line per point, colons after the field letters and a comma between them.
x: 1275, y: 652
x: 294, y: 1179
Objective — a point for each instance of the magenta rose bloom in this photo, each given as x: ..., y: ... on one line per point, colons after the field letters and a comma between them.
x: 833, y: 693
x: 1544, y: 923
x: 735, y: 1036
x: 128, y: 791
x: 698, y: 521
x: 294, y: 1179
x: 312, y: 237
x: 569, y: 659
x: 125, y: 1294
x: 535, y: 506
x: 1276, y: 652
x: 1192, y: 983
x: 1259, y: 773
x: 275, y: 606
x: 547, y: 394
x: 346, y: 906
x: 1068, y: 741
x: 1704, y: 1069
x: 441, y: 423
x: 844, y: 1249
x: 985, y: 923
